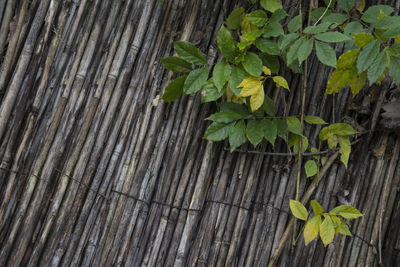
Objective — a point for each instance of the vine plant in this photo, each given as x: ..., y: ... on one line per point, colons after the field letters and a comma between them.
x: 252, y: 45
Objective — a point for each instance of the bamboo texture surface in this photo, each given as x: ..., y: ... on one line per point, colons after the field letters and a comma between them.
x: 97, y: 170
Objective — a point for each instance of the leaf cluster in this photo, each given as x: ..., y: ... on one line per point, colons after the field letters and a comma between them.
x: 327, y: 228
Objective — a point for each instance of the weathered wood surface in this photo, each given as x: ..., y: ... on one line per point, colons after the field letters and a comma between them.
x: 96, y: 170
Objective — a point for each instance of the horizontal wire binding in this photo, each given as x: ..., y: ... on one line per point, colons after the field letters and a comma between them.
x: 149, y: 203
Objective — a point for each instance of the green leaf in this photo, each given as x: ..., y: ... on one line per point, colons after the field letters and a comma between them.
x: 394, y: 69
x: 272, y: 62
x: 280, y: 128
x: 317, y: 208
x: 332, y: 141
x: 346, y: 5
x: 353, y: 27
x: 344, y: 229
x: 293, y: 50
x: 225, y: 116
x: 341, y: 129
x: 237, y: 135
x: 271, y: 5
x: 174, y: 89
x: 268, y: 46
x: 221, y: 73
x: 377, y: 68
x: 270, y: 130
x: 252, y: 64
x: 273, y: 29
x: 278, y: 15
x: 318, y: 12
x: 296, y: 145
x: 314, y: 120
x: 218, y: 131
x: 235, y: 18
x: 336, y: 222
x: 258, y: 18
x: 347, y: 212
x: 269, y: 106
x: 311, y: 168
x: 234, y: 107
x: 327, y: 230
x: 280, y: 81
x: 311, y: 229
x: 323, y: 27
x: 298, y: 210
x: 210, y: 92
x: 294, y: 125
x: 367, y: 56
x: 345, y: 149
x: 294, y: 24
x: 195, y: 80
x: 250, y: 37
x: 226, y: 44
x: 190, y: 53
x: 254, y: 132
x: 371, y: 14
x: 287, y: 40
x: 388, y: 23
x: 237, y: 76
x: 305, y: 50
x: 394, y: 50
x: 176, y: 64
x: 332, y: 37
x: 325, y: 54
x: 337, y: 18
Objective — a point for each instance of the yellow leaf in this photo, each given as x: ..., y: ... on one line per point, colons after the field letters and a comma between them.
x: 250, y: 82
x: 327, y: 230
x: 247, y: 26
x: 280, y: 81
x: 230, y: 96
x: 257, y: 100
x: 345, y: 149
x: 361, y: 6
x: 381, y: 14
x: 250, y: 86
x: 358, y: 81
x: 348, y: 59
x: 338, y: 80
x: 397, y: 40
x: 363, y: 38
x: 266, y: 70
x: 311, y: 229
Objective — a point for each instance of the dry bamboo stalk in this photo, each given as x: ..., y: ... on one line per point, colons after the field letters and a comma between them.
x: 35, y: 106
x: 78, y: 172
x: 155, y: 211
x: 44, y: 152
x: 13, y: 89
x: 203, y: 241
x: 8, y: 60
x: 376, y: 236
x: 2, y: 5
x: 246, y: 203
x: 5, y: 24
x: 368, y: 213
x: 227, y: 213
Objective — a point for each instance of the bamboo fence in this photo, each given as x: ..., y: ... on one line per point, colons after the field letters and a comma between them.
x: 96, y: 170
